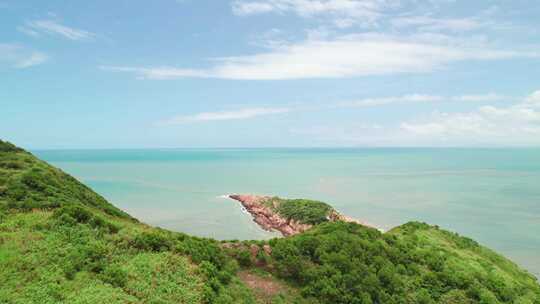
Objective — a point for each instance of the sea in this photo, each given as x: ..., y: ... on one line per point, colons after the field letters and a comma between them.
x: 490, y: 195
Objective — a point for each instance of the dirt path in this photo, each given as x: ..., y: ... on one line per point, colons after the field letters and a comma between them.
x: 264, y: 287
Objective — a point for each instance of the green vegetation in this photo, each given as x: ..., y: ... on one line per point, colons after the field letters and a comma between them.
x: 28, y: 183
x: 302, y: 210
x: 342, y: 262
x: 62, y: 243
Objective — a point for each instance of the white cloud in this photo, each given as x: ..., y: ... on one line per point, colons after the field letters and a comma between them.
x: 251, y: 8
x: 51, y: 27
x: 370, y: 102
x: 17, y: 56
x: 344, y: 22
x: 427, y: 23
x: 418, y: 98
x: 28, y: 31
x: 366, y: 11
x: 33, y: 59
x: 226, y: 115
x: 479, y: 97
x: 160, y: 72
x: 518, y: 124
x: 533, y: 100
x: 344, y: 56
x: 418, y: 14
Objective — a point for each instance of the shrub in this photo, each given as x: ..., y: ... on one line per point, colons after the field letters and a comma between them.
x: 152, y: 241
x: 6, y: 146
x: 90, y: 256
x: 201, y: 249
x: 16, y: 192
x: 304, y: 211
x: 35, y: 180
x: 11, y: 165
x: 243, y: 257
x: 114, y: 275
x: 72, y: 214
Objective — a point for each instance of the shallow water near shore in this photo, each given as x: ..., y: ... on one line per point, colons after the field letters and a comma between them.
x: 490, y: 195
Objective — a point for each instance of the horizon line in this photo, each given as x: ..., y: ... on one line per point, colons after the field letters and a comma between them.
x: 287, y: 147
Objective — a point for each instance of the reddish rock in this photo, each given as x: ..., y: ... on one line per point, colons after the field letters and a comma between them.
x: 254, y: 249
x: 266, y: 218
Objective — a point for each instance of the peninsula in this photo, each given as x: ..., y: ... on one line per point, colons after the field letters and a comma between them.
x: 289, y: 216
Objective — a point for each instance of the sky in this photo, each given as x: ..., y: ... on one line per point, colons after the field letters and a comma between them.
x: 269, y: 73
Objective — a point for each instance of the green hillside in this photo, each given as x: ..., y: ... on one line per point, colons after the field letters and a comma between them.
x: 415, y: 263
x: 60, y: 242
x: 27, y: 183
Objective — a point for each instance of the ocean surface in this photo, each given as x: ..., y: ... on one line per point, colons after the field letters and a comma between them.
x: 491, y: 195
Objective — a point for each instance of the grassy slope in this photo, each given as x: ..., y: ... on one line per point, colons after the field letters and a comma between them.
x: 464, y: 255
x: 62, y: 243
x: 27, y: 182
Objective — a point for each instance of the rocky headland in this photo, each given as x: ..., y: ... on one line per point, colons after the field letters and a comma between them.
x: 264, y: 210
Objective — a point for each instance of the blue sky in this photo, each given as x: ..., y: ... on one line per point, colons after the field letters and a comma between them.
x: 259, y: 73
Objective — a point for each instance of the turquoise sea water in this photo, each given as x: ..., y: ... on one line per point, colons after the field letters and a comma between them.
x: 491, y: 195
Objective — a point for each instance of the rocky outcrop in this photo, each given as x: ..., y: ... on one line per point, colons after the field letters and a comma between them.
x: 268, y: 219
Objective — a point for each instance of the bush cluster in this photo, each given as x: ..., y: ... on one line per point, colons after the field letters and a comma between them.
x: 73, y: 214
x: 6, y: 146
x: 114, y: 275
x: 301, y: 210
x: 216, y: 266
x: 90, y: 257
x: 348, y: 263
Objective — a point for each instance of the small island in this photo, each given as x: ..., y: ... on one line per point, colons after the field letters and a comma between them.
x: 289, y: 216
